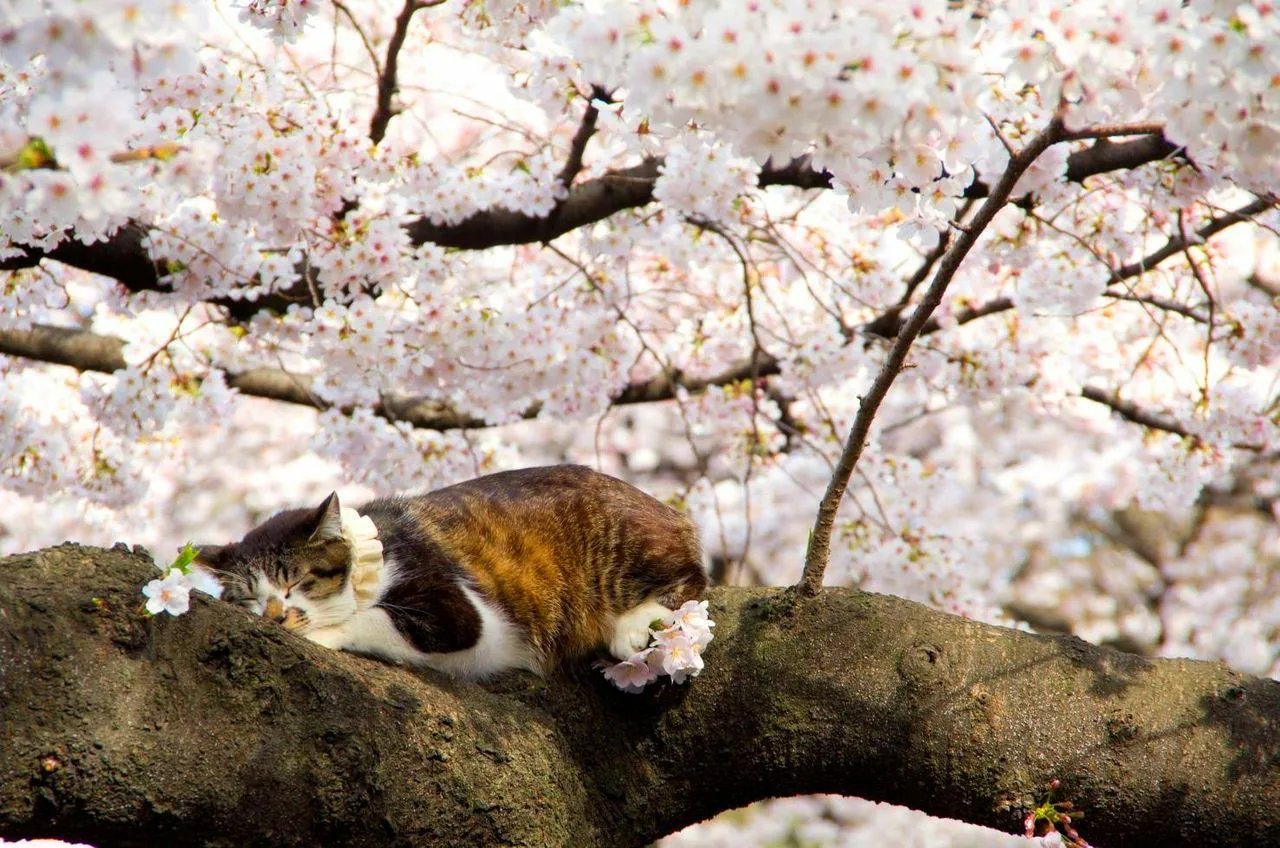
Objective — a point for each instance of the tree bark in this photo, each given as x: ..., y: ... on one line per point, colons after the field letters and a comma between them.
x: 217, y: 728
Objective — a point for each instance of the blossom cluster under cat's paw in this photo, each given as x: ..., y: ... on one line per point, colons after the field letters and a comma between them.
x: 675, y: 649
x: 172, y: 592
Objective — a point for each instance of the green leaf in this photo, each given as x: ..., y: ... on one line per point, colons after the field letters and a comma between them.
x: 36, y: 153
x: 186, y: 556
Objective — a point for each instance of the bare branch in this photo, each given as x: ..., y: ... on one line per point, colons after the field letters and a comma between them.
x: 586, y: 203
x: 1176, y: 244
x: 1106, y: 156
x: 888, y: 323
x: 385, y: 109
x: 819, y: 552
x: 1159, y: 303
x: 972, y: 313
x: 339, y: 6
x: 89, y: 352
x: 1113, y: 131
x: 86, y: 351
x: 586, y: 129
x: 122, y: 257
x: 1131, y: 412
x: 1269, y: 287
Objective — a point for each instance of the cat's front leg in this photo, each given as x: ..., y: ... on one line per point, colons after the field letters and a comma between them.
x: 331, y: 637
x: 631, y: 629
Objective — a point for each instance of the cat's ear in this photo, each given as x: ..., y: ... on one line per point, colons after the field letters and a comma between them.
x: 326, y: 524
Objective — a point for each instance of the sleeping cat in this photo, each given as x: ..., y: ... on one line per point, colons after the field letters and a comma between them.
x: 522, y: 569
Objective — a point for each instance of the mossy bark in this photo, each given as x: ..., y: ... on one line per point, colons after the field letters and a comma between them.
x: 216, y: 728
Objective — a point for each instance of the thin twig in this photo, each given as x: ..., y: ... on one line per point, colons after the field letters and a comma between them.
x: 339, y: 6
x: 1135, y: 414
x: 819, y: 552
x: 1205, y: 288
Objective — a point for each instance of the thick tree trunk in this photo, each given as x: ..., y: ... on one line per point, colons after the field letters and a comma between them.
x: 217, y: 728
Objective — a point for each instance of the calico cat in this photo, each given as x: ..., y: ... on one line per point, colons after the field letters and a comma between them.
x: 522, y: 569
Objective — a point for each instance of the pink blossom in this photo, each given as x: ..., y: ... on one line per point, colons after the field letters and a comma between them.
x: 632, y: 674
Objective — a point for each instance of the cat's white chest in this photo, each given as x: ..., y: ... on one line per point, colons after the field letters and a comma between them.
x: 501, y: 645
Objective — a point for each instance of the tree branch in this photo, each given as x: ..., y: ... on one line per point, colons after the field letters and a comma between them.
x: 1175, y: 244
x: 1131, y: 412
x: 86, y: 351
x: 217, y: 728
x: 586, y: 129
x: 819, y: 552
x: 123, y: 258
x: 385, y: 110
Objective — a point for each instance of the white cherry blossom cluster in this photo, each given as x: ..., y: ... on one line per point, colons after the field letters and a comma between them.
x: 74, y: 75
x: 703, y: 179
x: 283, y: 19
x: 675, y: 650
x: 448, y: 194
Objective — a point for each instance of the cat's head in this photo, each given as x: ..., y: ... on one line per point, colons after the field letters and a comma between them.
x: 294, y: 568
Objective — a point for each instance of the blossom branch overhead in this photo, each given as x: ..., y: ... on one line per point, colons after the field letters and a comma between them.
x: 126, y: 258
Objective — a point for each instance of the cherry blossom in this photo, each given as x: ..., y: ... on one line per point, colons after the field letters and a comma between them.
x: 171, y: 594
x: 675, y: 650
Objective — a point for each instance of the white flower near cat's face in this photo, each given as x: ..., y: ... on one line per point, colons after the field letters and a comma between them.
x: 171, y: 594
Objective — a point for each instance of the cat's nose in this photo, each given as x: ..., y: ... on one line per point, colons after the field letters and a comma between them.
x: 274, y: 610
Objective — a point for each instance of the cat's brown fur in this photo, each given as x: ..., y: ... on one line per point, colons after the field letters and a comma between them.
x: 565, y: 550
x: 562, y: 552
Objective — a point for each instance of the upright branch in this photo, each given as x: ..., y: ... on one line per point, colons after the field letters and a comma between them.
x: 385, y: 110
x: 586, y: 129
x: 815, y: 561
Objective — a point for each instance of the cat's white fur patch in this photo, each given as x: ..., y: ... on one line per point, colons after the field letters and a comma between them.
x: 501, y: 645
x: 631, y: 629
x: 371, y: 631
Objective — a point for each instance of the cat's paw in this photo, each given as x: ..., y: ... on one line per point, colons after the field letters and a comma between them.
x: 631, y: 629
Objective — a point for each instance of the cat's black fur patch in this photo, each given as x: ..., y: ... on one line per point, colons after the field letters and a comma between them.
x: 424, y: 603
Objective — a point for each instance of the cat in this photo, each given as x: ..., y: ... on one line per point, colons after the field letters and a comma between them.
x: 528, y: 569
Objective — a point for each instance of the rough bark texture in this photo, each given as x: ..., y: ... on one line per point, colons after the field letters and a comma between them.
x: 216, y: 728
